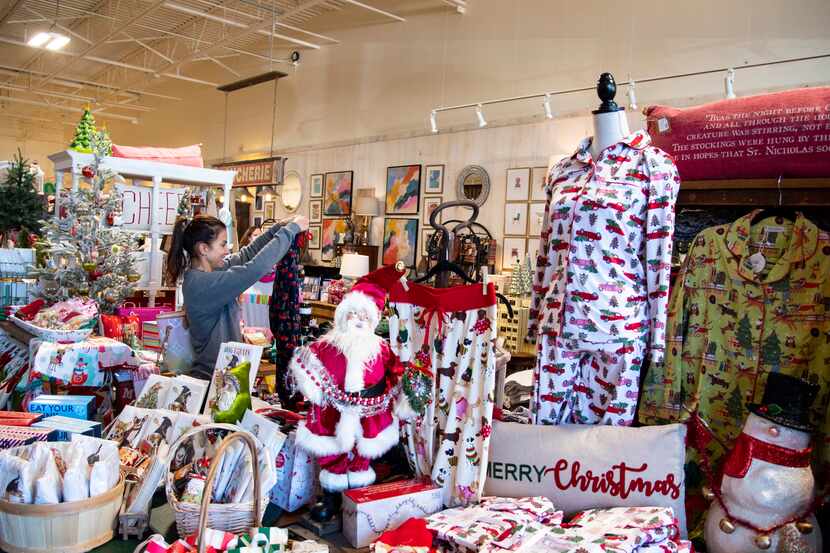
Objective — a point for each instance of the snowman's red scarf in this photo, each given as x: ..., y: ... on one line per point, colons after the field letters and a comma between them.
x: 747, y: 448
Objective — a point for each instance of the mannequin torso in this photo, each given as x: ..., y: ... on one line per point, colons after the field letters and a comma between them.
x: 609, y: 128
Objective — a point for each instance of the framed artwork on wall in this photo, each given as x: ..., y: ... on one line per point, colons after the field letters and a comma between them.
x: 403, y: 190
x: 537, y: 184
x: 426, y: 235
x: 430, y: 205
x: 518, y: 185
x: 257, y: 221
x: 333, y: 233
x: 270, y: 207
x: 258, y: 202
x: 515, y: 219
x: 314, y: 240
x: 337, y: 193
x: 533, y: 250
x: 316, y: 186
x: 535, y: 218
x: 434, y: 179
x: 400, y: 240
x: 513, y: 249
x: 315, y: 211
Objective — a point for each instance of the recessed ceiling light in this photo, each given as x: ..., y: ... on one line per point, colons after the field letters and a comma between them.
x: 49, y: 40
x: 39, y: 40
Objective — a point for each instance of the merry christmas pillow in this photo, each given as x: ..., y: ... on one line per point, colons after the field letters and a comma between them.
x: 588, y: 467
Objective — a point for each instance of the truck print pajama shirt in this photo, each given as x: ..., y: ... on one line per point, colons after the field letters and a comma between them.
x: 602, y: 280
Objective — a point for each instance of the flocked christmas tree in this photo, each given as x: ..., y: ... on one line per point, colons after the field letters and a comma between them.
x: 521, y: 280
x: 86, y: 254
x: 84, y: 132
x: 21, y: 208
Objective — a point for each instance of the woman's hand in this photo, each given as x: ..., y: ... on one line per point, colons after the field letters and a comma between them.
x: 301, y: 221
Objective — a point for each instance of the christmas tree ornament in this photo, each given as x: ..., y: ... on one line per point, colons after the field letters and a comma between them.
x: 767, y: 494
x: 133, y: 277
x: 88, y: 172
x: 88, y: 266
x: 116, y: 249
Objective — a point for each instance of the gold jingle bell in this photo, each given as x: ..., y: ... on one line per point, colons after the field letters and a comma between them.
x: 804, y: 527
x: 708, y: 494
x: 133, y: 277
x: 763, y: 541
x: 726, y: 526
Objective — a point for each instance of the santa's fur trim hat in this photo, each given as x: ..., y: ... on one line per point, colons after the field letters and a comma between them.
x: 369, y: 293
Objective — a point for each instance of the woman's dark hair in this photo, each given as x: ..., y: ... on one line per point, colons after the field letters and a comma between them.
x: 186, y: 235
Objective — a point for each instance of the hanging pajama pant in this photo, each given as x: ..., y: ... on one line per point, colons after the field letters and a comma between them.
x: 581, y: 382
x: 451, y: 332
x: 284, y: 316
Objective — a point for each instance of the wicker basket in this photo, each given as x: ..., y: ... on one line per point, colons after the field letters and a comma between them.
x: 229, y: 517
x: 72, y: 527
x: 50, y: 335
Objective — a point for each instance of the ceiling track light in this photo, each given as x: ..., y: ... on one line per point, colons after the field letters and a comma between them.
x: 729, y: 84
x: 49, y: 40
x: 548, y: 110
x: 482, y: 122
x: 632, y: 95
x: 433, y: 122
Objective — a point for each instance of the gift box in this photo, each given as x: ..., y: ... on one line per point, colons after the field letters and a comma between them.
x: 150, y: 337
x: 66, y: 426
x: 76, y: 407
x: 16, y: 436
x: 14, y: 418
x: 296, y: 477
x: 263, y: 540
x: 371, y: 511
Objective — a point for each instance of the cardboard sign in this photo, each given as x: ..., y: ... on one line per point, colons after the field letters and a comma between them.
x: 770, y: 135
x: 584, y: 467
x: 137, y: 207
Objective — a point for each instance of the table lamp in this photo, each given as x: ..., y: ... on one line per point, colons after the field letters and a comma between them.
x: 365, y: 207
x: 353, y: 266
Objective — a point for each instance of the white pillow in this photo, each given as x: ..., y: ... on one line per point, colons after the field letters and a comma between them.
x: 571, y: 465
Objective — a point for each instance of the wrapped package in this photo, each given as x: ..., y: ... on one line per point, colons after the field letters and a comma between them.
x: 48, y: 485
x: 76, y: 477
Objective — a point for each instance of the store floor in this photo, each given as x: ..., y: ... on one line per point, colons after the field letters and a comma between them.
x: 162, y: 517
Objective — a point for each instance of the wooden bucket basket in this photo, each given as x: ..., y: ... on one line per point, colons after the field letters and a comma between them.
x: 73, y: 527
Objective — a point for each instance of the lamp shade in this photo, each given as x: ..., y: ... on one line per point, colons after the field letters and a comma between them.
x: 354, y: 265
x: 365, y: 202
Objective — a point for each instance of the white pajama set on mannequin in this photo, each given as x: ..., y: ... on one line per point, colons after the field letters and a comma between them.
x: 600, y: 290
x: 450, y: 332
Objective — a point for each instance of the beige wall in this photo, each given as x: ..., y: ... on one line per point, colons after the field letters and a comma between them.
x: 363, y: 105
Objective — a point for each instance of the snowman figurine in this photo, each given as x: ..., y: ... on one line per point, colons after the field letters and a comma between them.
x: 767, y: 488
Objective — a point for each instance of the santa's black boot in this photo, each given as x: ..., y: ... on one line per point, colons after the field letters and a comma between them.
x: 327, y: 508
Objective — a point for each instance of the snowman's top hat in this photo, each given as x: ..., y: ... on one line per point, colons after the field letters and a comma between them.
x: 786, y: 401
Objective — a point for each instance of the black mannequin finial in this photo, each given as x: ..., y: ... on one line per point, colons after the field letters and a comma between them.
x: 606, y: 90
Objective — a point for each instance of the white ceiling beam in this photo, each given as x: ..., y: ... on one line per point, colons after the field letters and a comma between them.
x: 81, y: 83
x: 374, y: 9
x: 237, y: 24
x: 146, y: 38
x: 283, y: 25
x: 63, y: 28
x: 459, y: 5
x: 9, y: 8
x: 73, y: 109
x: 41, y: 119
x: 42, y: 19
x: 147, y: 47
x: 105, y: 61
x: 79, y: 98
x: 223, y: 42
x: 223, y: 66
x: 112, y: 34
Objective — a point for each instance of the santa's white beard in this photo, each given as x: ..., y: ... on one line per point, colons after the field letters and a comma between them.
x: 359, y: 347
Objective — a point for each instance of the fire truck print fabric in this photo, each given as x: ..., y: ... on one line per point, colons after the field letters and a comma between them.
x: 601, y: 285
x: 731, y: 323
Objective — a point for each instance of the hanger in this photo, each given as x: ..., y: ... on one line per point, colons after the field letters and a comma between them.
x: 778, y: 211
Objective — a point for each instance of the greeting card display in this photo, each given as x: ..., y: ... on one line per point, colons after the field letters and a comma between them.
x: 225, y: 385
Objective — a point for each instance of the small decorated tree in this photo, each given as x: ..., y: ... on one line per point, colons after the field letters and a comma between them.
x: 82, y: 142
x: 521, y: 280
x: 21, y: 208
x: 85, y: 254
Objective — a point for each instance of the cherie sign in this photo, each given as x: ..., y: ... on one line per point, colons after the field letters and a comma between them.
x: 138, y: 205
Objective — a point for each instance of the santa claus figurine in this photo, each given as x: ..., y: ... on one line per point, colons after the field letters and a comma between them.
x: 351, y: 378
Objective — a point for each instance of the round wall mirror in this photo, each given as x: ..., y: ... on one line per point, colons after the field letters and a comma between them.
x: 291, y: 191
x: 473, y: 184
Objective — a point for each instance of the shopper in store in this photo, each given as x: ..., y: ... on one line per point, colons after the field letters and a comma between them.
x: 250, y: 235
x: 212, y: 280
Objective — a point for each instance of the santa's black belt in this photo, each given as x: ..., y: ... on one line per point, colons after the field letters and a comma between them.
x: 372, y: 391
